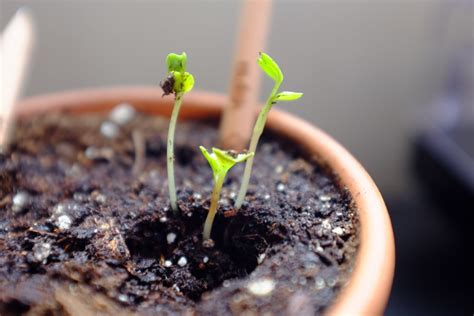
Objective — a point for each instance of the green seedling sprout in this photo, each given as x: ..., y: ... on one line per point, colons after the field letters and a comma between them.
x: 221, y: 162
x: 271, y: 68
x: 177, y: 82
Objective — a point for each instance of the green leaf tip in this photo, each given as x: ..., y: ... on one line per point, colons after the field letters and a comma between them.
x: 183, y: 82
x: 270, y: 67
x: 176, y: 62
x: 287, y: 96
x: 179, y: 81
x: 221, y: 160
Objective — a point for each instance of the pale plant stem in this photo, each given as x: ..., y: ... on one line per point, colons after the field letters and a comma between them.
x: 170, y: 152
x: 216, y: 192
x: 257, y: 132
x: 139, y: 145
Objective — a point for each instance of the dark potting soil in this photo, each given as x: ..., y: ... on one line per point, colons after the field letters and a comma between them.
x: 83, y: 232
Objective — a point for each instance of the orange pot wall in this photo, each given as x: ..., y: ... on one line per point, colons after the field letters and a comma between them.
x: 369, y: 287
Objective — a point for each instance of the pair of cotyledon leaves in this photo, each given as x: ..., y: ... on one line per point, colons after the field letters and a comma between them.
x: 271, y: 68
x: 221, y: 161
x: 183, y: 81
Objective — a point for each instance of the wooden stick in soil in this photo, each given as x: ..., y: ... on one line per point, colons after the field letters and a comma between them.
x: 15, y: 50
x: 239, y: 114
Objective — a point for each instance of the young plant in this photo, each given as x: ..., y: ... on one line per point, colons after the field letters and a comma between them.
x: 220, y: 162
x: 177, y: 82
x: 271, y: 68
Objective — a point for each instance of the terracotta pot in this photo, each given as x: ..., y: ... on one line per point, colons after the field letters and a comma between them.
x: 369, y: 287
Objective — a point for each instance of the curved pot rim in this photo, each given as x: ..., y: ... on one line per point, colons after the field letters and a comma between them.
x: 370, y: 283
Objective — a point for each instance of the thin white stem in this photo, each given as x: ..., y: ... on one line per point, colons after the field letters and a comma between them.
x: 257, y: 132
x: 170, y: 152
x: 140, y: 148
x: 216, y: 193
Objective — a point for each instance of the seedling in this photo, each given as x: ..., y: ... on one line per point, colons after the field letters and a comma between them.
x: 221, y: 162
x: 271, y: 68
x: 177, y: 82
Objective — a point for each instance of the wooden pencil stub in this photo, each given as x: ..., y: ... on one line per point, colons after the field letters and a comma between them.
x: 15, y: 49
x: 239, y: 114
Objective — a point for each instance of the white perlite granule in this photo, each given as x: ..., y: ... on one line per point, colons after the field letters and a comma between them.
x: 109, y: 129
x: 182, y: 261
x: 261, y: 287
x: 122, y: 114
x: 170, y: 238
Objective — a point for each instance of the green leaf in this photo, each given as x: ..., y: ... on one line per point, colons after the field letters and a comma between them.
x: 287, y: 96
x: 221, y: 161
x: 176, y: 62
x: 183, y: 82
x: 210, y: 159
x: 270, y: 67
x: 231, y: 157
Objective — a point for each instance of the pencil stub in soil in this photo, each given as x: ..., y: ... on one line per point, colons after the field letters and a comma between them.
x: 73, y: 226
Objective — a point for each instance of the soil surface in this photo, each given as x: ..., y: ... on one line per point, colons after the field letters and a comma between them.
x: 86, y: 229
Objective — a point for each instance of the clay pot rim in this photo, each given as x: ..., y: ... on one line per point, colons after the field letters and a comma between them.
x: 369, y: 287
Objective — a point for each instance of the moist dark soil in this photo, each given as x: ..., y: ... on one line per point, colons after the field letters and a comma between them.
x: 86, y: 230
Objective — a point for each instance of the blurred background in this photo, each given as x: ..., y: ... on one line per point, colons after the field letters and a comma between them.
x: 385, y: 78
